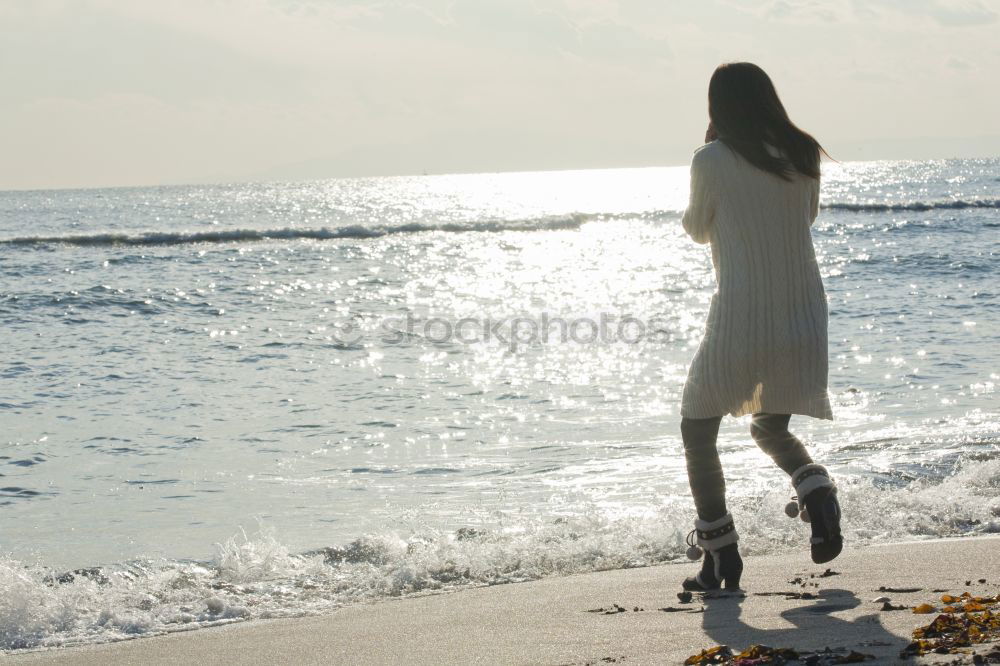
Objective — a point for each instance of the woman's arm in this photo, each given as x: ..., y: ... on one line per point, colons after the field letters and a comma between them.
x: 700, y: 213
x: 814, y: 212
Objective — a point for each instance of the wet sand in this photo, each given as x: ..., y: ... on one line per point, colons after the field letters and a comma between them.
x: 629, y: 616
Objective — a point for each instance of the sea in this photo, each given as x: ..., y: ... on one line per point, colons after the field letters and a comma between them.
x: 229, y: 402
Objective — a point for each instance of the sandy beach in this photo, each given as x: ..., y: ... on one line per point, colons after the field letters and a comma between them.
x: 630, y: 616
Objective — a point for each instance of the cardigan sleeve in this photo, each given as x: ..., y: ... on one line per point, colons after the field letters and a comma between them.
x: 814, y: 207
x: 700, y: 213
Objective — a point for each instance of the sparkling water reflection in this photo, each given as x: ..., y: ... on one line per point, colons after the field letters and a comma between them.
x: 158, y: 393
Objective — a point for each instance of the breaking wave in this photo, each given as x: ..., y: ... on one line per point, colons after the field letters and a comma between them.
x: 255, y: 576
x: 356, y: 231
x: 956, y: 204
x: 292, y: 233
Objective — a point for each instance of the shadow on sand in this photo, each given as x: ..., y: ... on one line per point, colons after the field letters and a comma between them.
x: 814, y: 627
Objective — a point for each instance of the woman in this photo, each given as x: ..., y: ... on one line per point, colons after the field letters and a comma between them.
x: 754, y: 197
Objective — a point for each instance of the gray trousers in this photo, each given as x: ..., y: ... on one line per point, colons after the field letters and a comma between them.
x: 708, y: 484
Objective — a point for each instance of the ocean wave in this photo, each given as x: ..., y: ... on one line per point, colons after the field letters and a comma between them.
x: 870, y: 207
x: 153, y: 238
x: 98, y: 296
x: 354, y: 231
x: 255, y: 576
x: 360, y: 232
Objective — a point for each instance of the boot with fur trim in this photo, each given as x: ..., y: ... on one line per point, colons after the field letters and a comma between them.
x: 817, y: 503
x: 722, y: 561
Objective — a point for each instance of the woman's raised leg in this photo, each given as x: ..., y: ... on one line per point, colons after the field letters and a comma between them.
x: 770, y: 431
x: 817, y: 496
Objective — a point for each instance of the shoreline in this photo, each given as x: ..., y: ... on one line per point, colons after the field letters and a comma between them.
x: 602, y: 617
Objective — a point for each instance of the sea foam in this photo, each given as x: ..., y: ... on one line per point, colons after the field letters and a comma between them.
x: 255, y: 576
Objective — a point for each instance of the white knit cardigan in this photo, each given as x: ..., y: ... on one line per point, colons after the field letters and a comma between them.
x: 765, y: 342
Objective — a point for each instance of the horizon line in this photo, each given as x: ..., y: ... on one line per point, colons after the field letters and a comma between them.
x: 265, y: 181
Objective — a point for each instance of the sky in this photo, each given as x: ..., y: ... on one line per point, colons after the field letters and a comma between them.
x: 100, y: 93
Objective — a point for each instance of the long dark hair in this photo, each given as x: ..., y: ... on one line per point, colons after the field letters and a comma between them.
x: 746, y: 113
